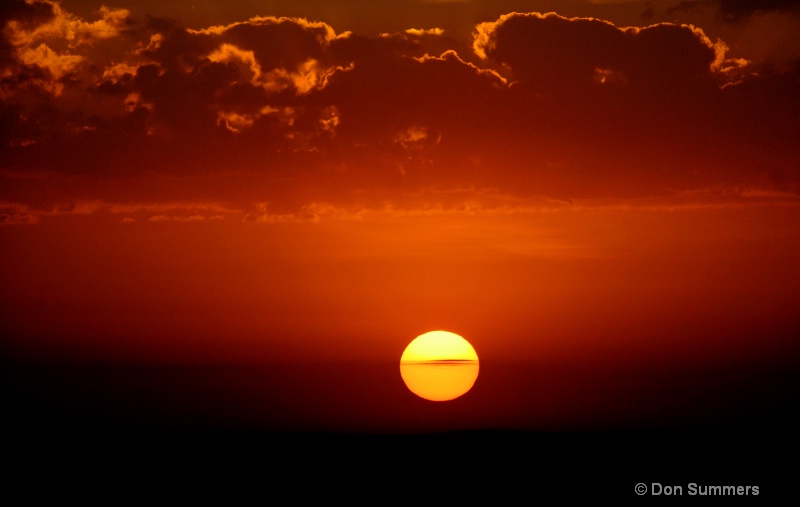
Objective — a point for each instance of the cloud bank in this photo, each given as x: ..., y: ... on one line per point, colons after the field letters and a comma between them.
x: 290, y: 111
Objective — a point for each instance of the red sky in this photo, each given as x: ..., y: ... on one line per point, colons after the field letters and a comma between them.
x: 282, y: 181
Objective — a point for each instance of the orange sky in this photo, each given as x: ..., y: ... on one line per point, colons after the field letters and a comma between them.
x: 613, y: 180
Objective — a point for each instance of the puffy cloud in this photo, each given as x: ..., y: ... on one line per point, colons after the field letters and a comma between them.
x: 375, y: 97
x: 765, y: 33
x: 55, y: 66
x: 48, y: 56
x: 419, y: 32
x: 276, y: 43
x: 40, y: 39
x: 289, y: 111
x: 411, y: 136
x: 553, y: 52
x: 119, y: 71
x: 230, y: 53
x: 44, y: 20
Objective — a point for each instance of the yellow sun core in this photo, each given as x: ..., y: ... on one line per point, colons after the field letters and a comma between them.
x: 439, y: 366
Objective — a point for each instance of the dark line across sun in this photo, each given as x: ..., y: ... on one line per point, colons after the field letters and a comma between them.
x: 443, y: 361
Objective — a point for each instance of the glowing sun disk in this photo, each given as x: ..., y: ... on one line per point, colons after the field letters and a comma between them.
x: 439, y: 366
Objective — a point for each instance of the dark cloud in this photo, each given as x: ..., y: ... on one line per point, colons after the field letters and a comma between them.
x: 555, y: 53
x: 751, y: 5
x: 738, y: 10
x: 384, y: 95
x: 545, y: 105
x: 27, y: 14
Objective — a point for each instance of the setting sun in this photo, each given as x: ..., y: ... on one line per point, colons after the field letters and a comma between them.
x: 439, y: 366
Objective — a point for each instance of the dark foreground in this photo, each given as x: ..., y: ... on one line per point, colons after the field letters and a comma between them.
x: 164, y: 435
x: 501, y: 464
